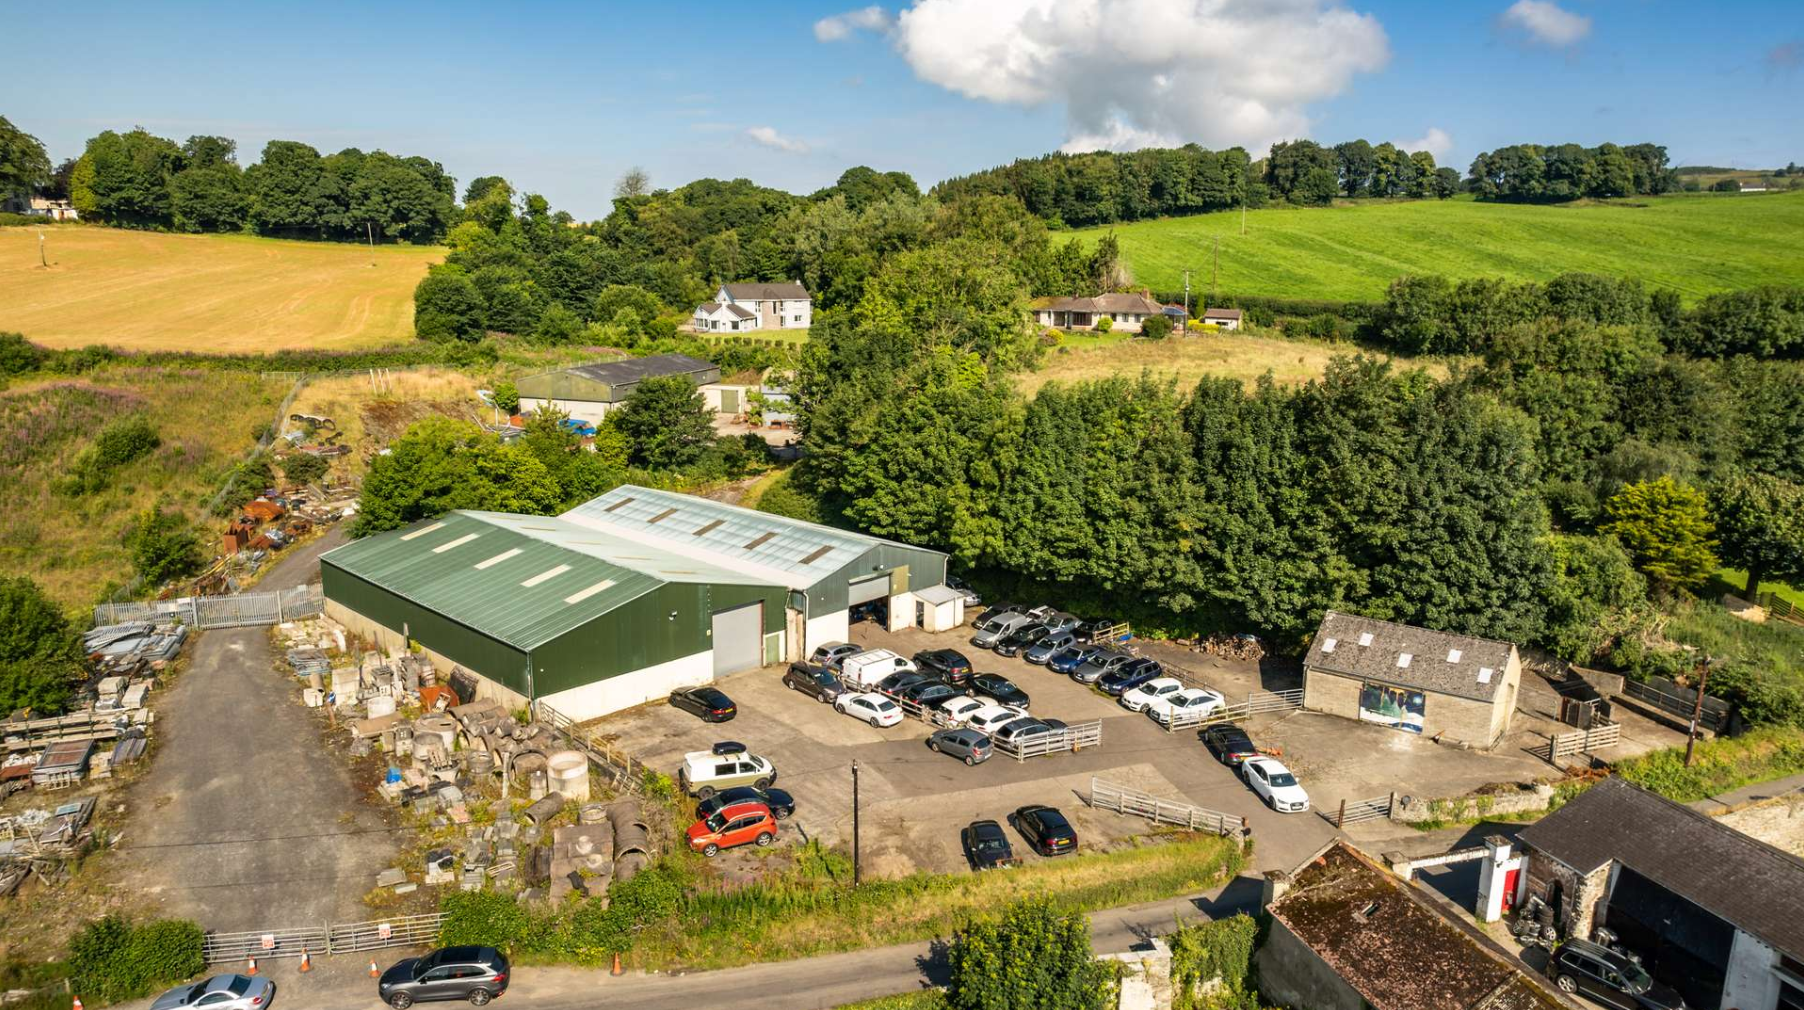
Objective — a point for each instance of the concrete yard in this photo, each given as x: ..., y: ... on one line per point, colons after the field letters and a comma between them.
x: 245, y: 820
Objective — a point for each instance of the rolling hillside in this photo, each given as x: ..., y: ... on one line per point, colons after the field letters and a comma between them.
x: 1696, y: 244
x: 225, y: 293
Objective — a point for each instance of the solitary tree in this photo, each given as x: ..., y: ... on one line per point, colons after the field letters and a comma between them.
x: 507, y: 397
x: 39, y: 651
x: 636, y: 182
x: 1033, y: 956
x: 665, y: 421
x: 1666, y: 527
x: 1761, y: 522
x: 163, y: 546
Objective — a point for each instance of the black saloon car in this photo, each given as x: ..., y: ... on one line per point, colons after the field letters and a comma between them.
x: 477, y: 974
x: 710, y: 703
x: 986, y: 847
x: 1014, y: 643
x: 1045, y: 829
x: 1229, y: 743
x: 1096, y: 632
x: 949, y: 665
x: 779, y: 801
x: 816, y: 682
x: 1000, y: 688
x: 1583, y: 968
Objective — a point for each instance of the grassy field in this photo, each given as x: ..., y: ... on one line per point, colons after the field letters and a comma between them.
x: 1736, y: 581
x: 70, y: 542
x: 1242, y: 356
x: 218, y: 293
x: 1693, y: 243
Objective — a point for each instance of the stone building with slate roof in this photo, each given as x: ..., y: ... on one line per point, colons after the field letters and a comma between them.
x: 1442, y: 685
x: 588, y: 392
x: 620, y: 600
x: 1349, y: 935
x: 1712, y: 912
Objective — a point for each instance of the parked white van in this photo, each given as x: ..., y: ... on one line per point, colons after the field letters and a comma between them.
x: 867, y: 669
x: 996, y: 628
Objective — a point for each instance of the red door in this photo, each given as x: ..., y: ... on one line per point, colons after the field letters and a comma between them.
x: 1509, y: 888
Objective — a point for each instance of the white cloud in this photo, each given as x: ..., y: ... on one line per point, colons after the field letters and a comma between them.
x: 769, y: 137
x: 1137, y: 73
x: 840, y: 27
x: 1436, y: 142
x: 1547, y: 23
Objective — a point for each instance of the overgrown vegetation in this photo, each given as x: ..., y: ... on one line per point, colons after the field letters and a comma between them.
x: 1203, y: 953
x: 1029, y: 955
x: 112, y: 960
x: 1720, y: 765
x: 40, y: 651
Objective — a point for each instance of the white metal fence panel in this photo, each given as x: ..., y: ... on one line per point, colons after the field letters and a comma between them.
x: 238, y: 610
x: 345, y: 938
x: 1106, y: 795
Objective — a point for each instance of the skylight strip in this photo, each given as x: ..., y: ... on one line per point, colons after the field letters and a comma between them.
x: 459, y: 542
x: 583, y: 594
x: 422, y: 531
x: 549, y: 573
x: 497, y: 559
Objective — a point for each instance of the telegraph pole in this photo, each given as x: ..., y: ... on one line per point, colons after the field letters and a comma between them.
x: 41, y: 260
x: 1186, y: 294
x: 1697, y: 709
x: 855, y: 866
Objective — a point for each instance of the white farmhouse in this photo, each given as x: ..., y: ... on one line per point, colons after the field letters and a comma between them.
x: 758, y: 306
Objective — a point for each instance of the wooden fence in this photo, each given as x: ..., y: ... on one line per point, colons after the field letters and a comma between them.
x: 1106, y: 795
x: 345, y: 938
x: 622, y: 770
x: 1784, y: 610
x: 1584, y: 741
x: 1356, y: 811
x: 1679, y: 702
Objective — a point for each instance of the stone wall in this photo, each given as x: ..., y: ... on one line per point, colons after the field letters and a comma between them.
x: 1472, y: 807
x: 1580, y: 894
x: 1459, y: 720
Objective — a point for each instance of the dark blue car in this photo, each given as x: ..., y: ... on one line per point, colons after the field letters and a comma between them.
x: 1070, y: 658
x: 1129, y: 676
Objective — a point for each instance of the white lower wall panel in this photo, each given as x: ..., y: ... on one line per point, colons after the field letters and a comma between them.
x: 636, y: 688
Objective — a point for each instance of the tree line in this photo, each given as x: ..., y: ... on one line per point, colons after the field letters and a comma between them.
x: 1535, y: 173
x: 517, y: 267
x: 136, y: 179
x: 1548, y: 493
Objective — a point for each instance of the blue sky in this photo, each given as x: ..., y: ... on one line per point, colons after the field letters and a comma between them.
x: 563, y: 97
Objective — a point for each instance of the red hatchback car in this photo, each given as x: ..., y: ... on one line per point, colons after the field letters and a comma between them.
x: 733, y: 825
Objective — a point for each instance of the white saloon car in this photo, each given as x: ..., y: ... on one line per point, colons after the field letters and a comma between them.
x: 952, y: 713
x: 1187, y: 705
x: 871, y: 707
x: 991, y: 717
x: 1275, y: 785
x: 1142, y: 696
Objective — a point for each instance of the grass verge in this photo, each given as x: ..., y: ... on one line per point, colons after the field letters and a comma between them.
x: 1721, y: 765
x: 809, y: 910
x: 923, y: 999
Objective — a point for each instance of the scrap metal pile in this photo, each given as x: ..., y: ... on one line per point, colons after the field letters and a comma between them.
x: 444, y: 747
x: 40, y: 842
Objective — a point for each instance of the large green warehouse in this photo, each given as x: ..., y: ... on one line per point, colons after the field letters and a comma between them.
x: 624, y: 598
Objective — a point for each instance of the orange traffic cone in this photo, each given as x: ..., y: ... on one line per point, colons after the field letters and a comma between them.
x: 252, y: 970
x: 77, y: 1005
x: 306, y: 960
x: 617, y: 970
x: 375, y: 972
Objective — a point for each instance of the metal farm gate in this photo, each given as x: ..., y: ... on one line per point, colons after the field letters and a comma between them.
x: 1106, y: 795
x: 1073, y: 738
x: 1355, y: 811
x: 345, y: 938
x: 238, y: 610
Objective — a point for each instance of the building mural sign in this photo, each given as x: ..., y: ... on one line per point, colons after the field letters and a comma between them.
x: 1396, y: 707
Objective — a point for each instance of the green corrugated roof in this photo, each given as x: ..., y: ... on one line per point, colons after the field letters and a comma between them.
x: 523, y: 580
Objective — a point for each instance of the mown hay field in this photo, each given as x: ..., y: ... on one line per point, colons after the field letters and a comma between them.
x: 150, y: 291
x: 1695, y: 244
x: 1186, y: 358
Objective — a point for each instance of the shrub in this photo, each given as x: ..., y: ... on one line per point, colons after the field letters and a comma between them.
x: 1031, y: 956
x: 122, y: 441
x: 507, y: 397
x: 1156, y: 327
x: 1722, y: 764
x: 111, y: 961
x: 163, y: 546
x: 1105, y: 324
x: 304, y: 467
x: 482, y: 918
x: 1222, y: 949
x: 783, y: 498
x: 19, y: 356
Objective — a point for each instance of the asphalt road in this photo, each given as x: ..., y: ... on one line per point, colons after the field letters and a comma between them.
x: 244, y: 821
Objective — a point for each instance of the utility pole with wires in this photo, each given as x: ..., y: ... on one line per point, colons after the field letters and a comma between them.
x: 1697, y: 709
x: 855, y: 866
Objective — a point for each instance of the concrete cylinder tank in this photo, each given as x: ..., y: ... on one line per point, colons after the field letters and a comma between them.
x: 380, y: 705
x: 442, y: 726
x: 569, y: 771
